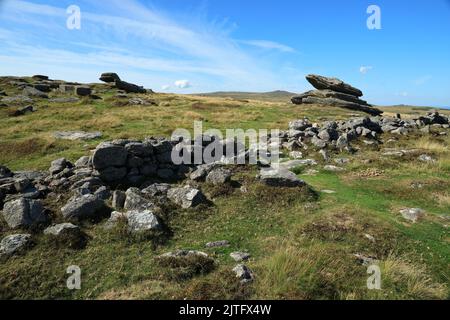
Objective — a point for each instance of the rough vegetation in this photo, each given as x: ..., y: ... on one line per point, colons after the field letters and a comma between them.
x: 86, y: 179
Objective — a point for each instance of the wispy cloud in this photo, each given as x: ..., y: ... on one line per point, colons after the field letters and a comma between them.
x: 154, y: 43
x: 269, y: 45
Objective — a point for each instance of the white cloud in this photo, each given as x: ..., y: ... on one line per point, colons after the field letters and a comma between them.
x: 365, y: 69
x: 165, y: 87
x: 403, y: 94
x: 270, y: 45
x: 182, y: 84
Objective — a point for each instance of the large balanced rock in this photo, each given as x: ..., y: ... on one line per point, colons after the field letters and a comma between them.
x: 24, y: 213
x: 129, y: 87
x: 343, y: 104
x: 322, y: 83
x: 109, y: 77
x: 336, y: 93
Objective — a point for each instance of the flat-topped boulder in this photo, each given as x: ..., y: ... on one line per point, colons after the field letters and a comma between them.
x: 109, y: 77
x: 280, y: 177
x: 129, y: 87
x: 77, y: 135
x: 335, y: 93
x: 335, y: 84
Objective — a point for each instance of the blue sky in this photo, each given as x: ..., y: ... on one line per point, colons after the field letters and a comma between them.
x: 246, y: 45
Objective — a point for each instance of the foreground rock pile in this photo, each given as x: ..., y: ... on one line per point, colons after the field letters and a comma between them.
x: 134, y: 182
x: 336, y: 93
x: 24, y: 91
x: 303, y: 134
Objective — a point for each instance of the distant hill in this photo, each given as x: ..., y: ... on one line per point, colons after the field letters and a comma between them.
x: 273, y: 96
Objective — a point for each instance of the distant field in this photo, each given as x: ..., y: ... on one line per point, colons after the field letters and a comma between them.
x: 274, y: 96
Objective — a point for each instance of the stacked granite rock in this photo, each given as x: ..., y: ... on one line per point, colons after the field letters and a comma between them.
x: 336, y: 93
x: 111, y: 77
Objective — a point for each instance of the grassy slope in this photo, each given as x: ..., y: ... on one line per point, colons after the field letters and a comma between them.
x: 273, y: 96
x: 301, y: 246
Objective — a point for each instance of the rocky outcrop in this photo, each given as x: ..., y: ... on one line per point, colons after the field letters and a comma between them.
x: 336, y: 93
x: 323, y: 83
x: 109, y: 77
x: 129, y: 87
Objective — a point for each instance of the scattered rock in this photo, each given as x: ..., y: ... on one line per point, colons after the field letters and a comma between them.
x: 140, y: 221
x: 218, y: 176
x: 280, y: 178
x: 59, y: 165
x: 64, y: 100
x: 240, y: 256
x: 83, y: 162
x: 217, y: 244
x: 412, y: 214
x: 22, y: 111
x: 333, y: 168
x: 83, y: 207
x: 136, y: 201
x: 296, y: 154
x: 186, y: 197
x: 14, y: 244
x: 24, y: 213
x: 77, y: 135
x: 33, y: 92
x: 426, y: 158
x: 17, y: 99
x: 67, y: 234
x: 243, y: 273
